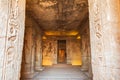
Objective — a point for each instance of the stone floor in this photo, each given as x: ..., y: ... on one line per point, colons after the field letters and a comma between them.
x: 61, y: 72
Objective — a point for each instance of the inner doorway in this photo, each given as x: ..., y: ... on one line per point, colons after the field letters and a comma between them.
x: 61, y: 51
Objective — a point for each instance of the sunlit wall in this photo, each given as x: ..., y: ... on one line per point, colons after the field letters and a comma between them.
x: 72, y: 50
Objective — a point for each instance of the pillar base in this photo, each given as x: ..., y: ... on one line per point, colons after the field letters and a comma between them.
x: 28, y: 75
x: 38, y: 69
x: 87, y: 74
x: 84, y: 69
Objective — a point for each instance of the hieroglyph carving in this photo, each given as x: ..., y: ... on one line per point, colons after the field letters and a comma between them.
x: 12, y: 58
x: 98, y: 32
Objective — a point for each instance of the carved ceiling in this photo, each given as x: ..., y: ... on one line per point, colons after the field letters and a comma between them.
x: 58, y: 15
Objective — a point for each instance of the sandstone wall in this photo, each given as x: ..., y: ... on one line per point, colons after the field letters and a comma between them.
x: 49, y: 51
x: 105, y: 39
x: 12, y: 18
x: 72, y: 50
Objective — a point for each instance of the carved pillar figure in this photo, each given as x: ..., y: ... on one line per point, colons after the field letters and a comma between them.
x: 32, y: 53
x: 85, y: 48
x: 85, y: 53
x: 38, y: 54
x: 105, y: 39
x: 28, y: 53
x: 12, y: 14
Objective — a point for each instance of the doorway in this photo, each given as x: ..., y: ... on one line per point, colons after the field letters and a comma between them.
x: 61, y: 51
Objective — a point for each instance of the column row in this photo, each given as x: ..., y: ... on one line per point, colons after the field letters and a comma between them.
x: 32, y: 51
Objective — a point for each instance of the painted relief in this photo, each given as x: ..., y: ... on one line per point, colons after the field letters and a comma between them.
x: 48, y: 49
x: 49, y: 52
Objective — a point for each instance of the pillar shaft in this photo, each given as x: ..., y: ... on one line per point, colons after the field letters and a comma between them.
x: 12, y: 14
x: 85, y: 54
x: 38, y: 55
x: 85, y: 48
x: 105, y: 38
x: 32, y: 49
x: 28, y: 52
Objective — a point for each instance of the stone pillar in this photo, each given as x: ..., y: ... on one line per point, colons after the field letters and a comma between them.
x: 12, y: 17
x: 28, y: 53
x: 90, y: 74
x: 38, y: 54
x: 105, y: 39
x: 33, y: 51
x: 85, y: 53
x: 85, y: 49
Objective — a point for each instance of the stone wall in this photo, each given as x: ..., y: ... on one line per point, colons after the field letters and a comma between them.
x: 73, y: 52
x: 12, y: 17
x: 50, y: 51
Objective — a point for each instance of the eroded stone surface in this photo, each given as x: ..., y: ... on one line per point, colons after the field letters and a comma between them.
x: 73, y: 52
x: 104, y: 24
x: 12, y: 17
x: 85, y: 48
x: 58, y: 14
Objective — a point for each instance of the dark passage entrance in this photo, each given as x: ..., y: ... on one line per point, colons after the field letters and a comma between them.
x: 61, y: 51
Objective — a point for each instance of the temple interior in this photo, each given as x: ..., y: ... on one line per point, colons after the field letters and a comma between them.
x: 56, y: 33
x: 59, y: 40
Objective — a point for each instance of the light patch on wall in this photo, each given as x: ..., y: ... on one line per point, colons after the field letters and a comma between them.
x: 47, y: 3
x: 74, y: 53
x: 44, y: 37
x: 76, y: 60
x: 78, y: 37
x: 61, y: 33
x: 47, y: 61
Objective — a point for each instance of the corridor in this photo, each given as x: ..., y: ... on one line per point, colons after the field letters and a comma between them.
x: 61, y: 72
x: 68, y: 36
